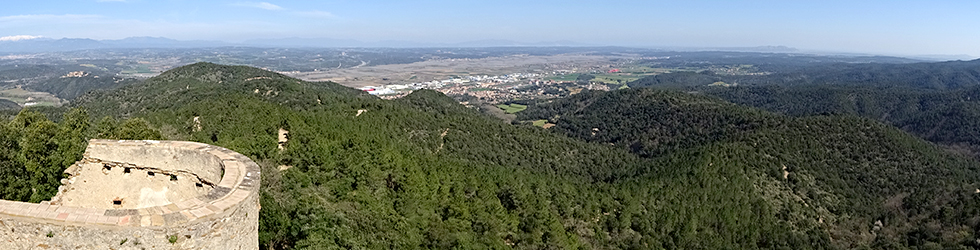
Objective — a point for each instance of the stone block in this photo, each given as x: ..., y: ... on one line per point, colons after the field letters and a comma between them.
x: 75, y: 218
x: 172, y: 208
x: 145, y: 221
x: 201, y: 212
x: 123, y: 220
x: 157, y: 220
x: 92, y: 219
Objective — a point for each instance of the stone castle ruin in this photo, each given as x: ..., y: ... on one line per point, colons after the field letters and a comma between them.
x: 143, y: 195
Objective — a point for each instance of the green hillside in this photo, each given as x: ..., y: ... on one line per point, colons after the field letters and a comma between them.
x: 426, y: 172
x: 684, y: 171
x: 848, y: 172
x: 939, y: 102
x: 950, y: 118
x: 72, y: 87
x: 8, y: 105
x: 926, y: 76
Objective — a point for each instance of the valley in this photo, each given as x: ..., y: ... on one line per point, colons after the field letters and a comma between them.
x: 531, y: 125
x: 448, y: 68
x: 655, y: 154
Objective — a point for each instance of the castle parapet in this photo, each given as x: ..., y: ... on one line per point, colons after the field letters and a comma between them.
x: 143, y: 195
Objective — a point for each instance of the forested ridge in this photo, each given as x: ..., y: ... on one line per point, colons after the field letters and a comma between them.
x: 9, y: 105
x: 54, y: 79
x: 683, y: 171
x: 72, y: 87
x: 939, y: 102
x: 927, y: 76
x: 869, y: 184
x: 950, y: 117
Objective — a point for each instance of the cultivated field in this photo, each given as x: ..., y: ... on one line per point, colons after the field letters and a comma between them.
x: 443, y: 69
x: 23, y: 97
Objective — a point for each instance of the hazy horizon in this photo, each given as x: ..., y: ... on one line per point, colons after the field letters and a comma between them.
x: 872, y: 27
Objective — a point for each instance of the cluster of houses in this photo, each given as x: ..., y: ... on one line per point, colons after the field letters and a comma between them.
x: 491, y: 89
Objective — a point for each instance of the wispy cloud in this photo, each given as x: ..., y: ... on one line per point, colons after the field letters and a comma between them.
x: 103, y: 27
x: 67, y: 17
x: 273, y: 7
x: 106, y: 27
x: 260, y: 5
x: 18, y: 38
x: 316, y: 14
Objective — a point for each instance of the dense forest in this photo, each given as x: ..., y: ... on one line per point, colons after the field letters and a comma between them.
x: 868, y: 184
x: 51, y: 78
x: 72, y: 87
x: 764, y: 61
x: 35, y: 152
x: 635, y: 169
x: 950, y: 118
x: 9, y: 105
x: 16, y: 72
x: 939, y: 102
x: 925, y: 76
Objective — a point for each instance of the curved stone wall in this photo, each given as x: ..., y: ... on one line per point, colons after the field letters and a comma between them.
x: 143, y: 195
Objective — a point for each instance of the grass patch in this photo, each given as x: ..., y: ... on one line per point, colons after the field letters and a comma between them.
x: 539, y: 123
x: 512, y: 108
x: 645, y: 70
x: 565, y: 78
x: 143, y: 69
x: 632, y: 73
x: 616, y: 78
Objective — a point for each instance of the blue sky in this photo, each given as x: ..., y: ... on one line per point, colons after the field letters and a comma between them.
x: 871, y: 26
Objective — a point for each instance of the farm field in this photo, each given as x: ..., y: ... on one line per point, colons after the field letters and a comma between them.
x: 564, y: 78
x: 25, y: 97
x: 512, y: 108
x: 616, y: 78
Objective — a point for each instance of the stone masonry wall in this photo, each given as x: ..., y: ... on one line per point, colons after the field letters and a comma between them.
x: 94, y: 183
x: 224, y: 218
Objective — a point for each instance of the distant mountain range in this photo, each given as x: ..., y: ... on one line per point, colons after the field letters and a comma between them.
x: 70, y: 44
x: 326, y: 42
x: 37, y: 45
x: 771, y: 49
